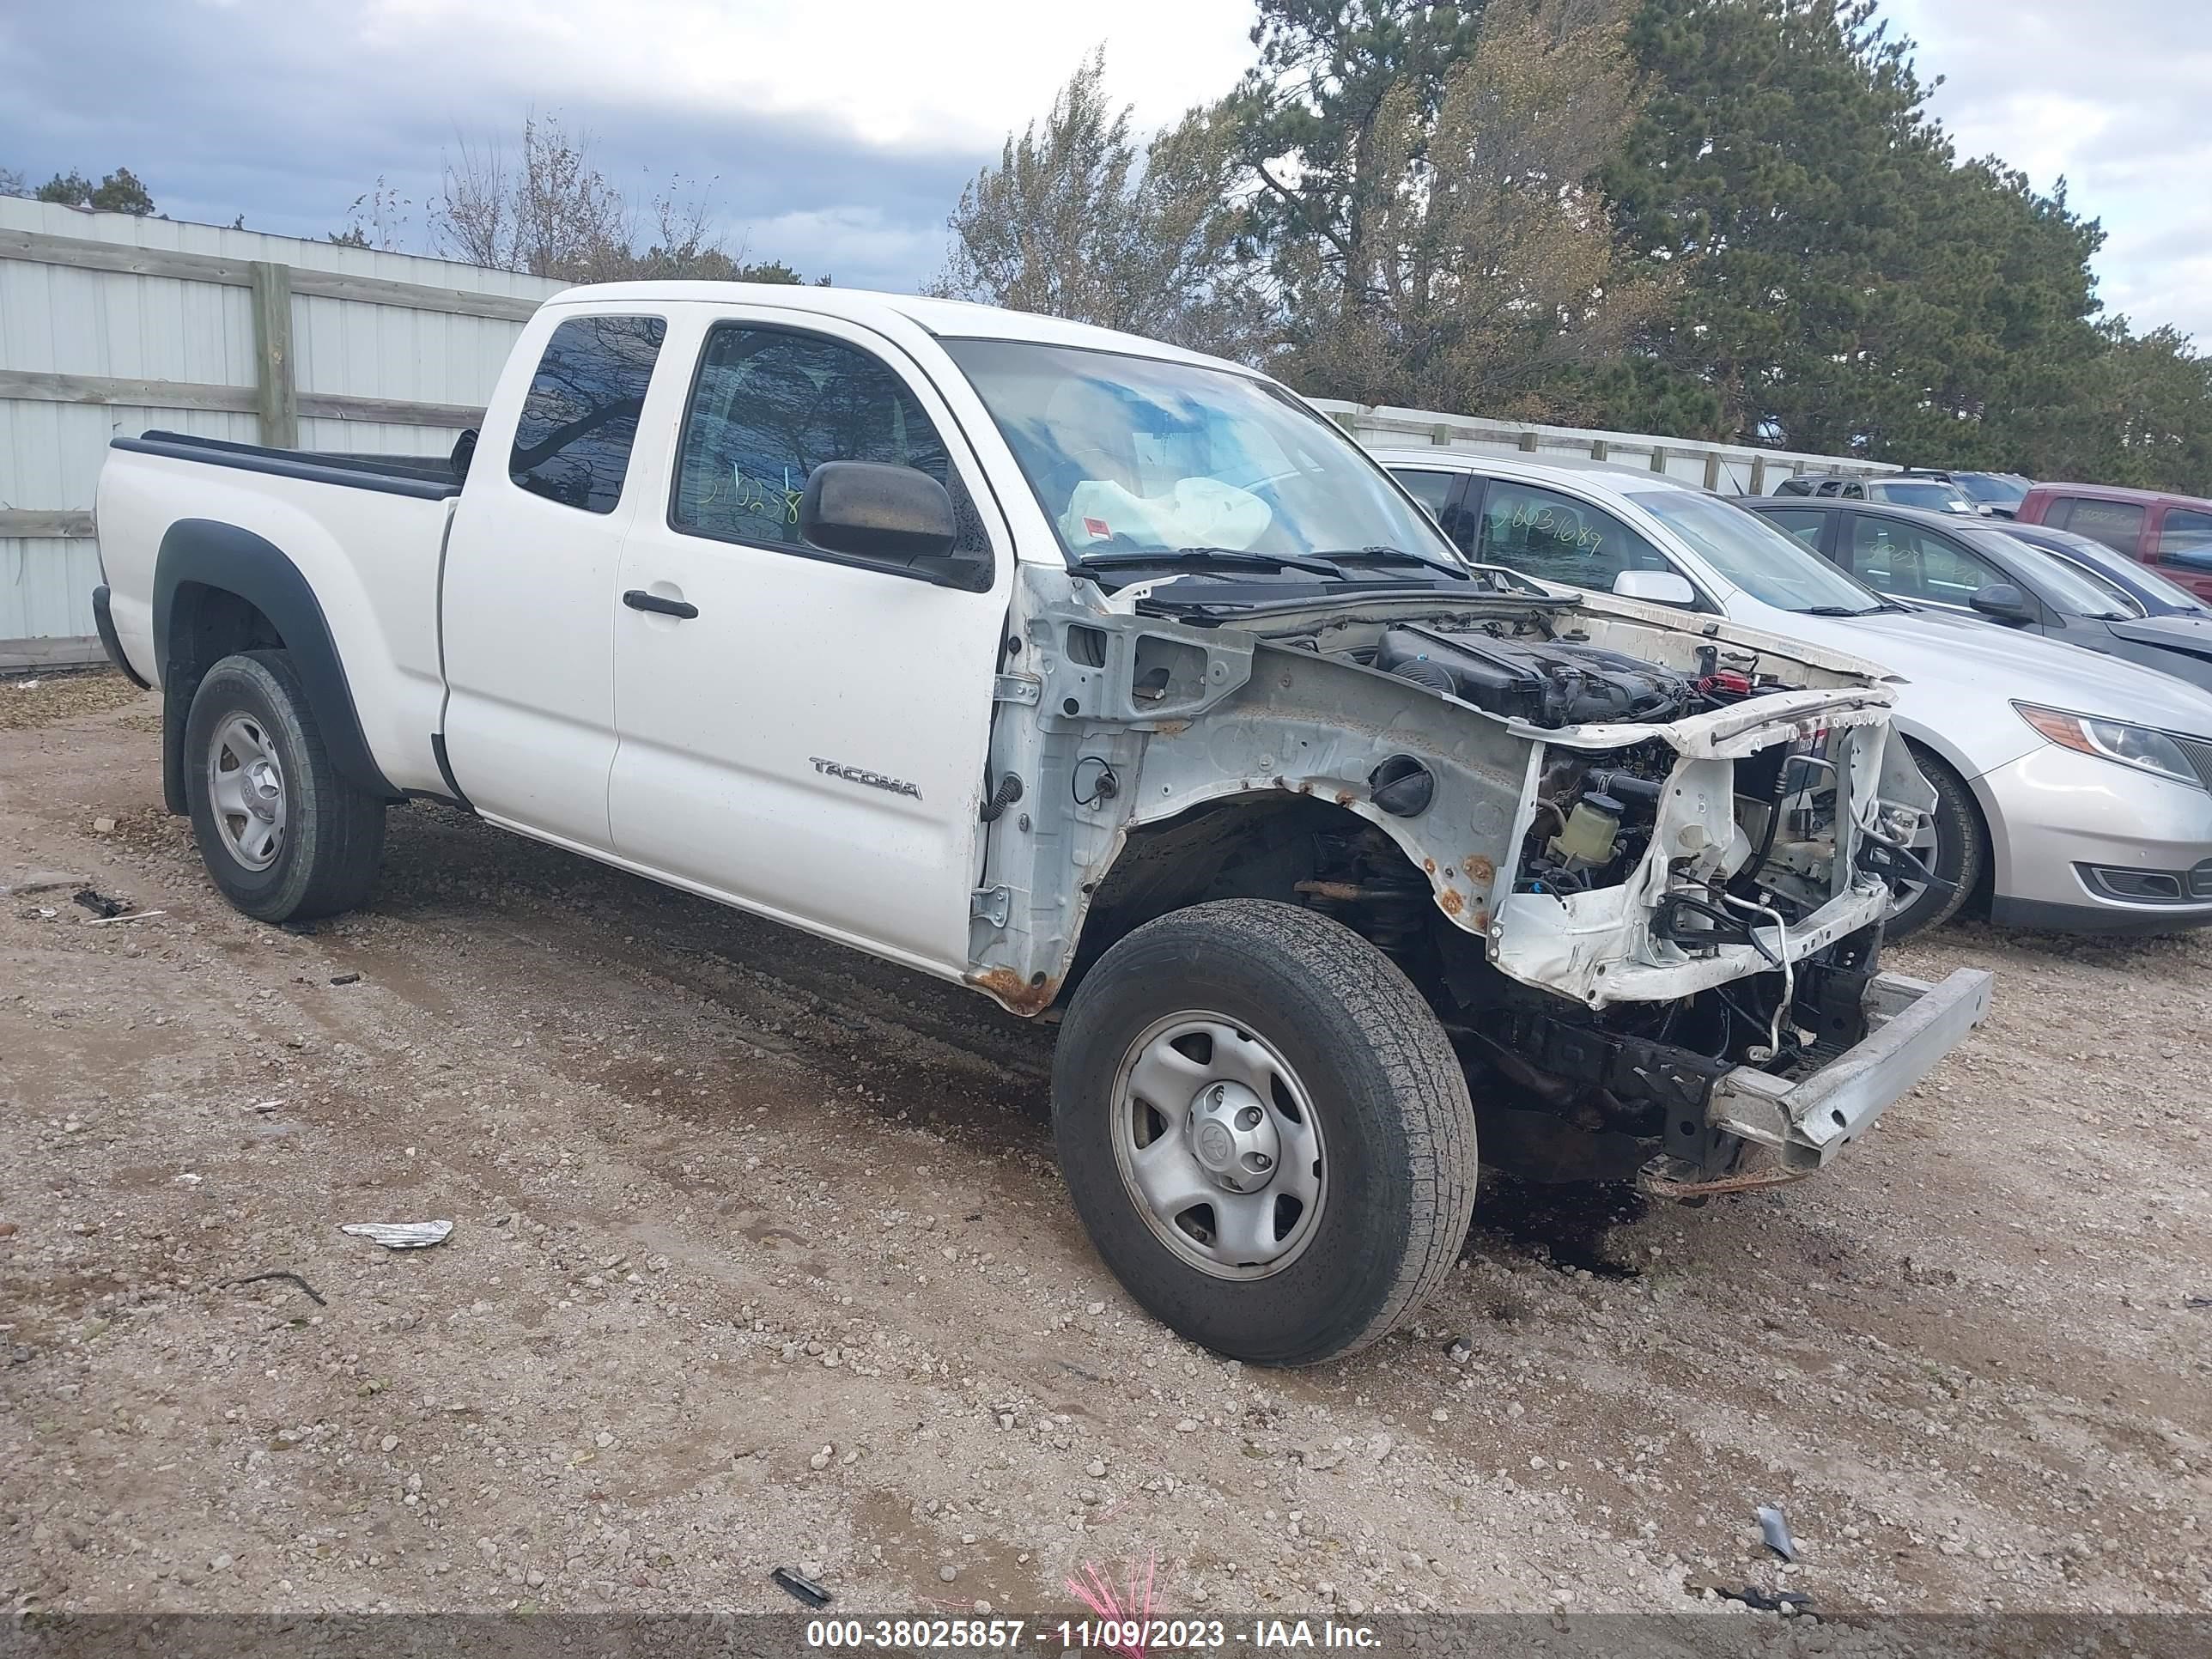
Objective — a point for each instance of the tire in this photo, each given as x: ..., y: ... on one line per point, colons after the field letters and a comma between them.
x: 318, y: 850
x: 1354, y: 1057
x: 1962, y: 851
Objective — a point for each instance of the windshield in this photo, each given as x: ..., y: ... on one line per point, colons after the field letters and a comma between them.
x: 1940, y: 496
x: 2166, y: 593
x: 1131, y: 455
x: 1769, y: 564
x: 2001, y: 488
x: 2072, y: 589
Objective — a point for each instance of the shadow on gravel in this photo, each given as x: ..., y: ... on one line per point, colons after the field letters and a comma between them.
x: 1564, y: 1225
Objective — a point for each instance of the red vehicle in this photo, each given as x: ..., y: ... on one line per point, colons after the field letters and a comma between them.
x: 2170, y: 533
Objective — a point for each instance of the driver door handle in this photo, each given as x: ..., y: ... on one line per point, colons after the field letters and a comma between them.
x: 638, y: 599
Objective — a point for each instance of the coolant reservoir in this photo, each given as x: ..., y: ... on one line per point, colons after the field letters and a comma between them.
x: 1592, y: 829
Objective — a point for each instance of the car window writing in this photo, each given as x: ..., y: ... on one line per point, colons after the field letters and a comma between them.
x: 770, y: 406
x: 1911, y: 563
x: 1555, y: 538
x: 2119, y: 525
x: 579, y: 419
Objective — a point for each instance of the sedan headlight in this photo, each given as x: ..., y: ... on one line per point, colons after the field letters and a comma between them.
x: 2138, y: 746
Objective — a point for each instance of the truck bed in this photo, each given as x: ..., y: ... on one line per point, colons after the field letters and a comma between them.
x: 352, y: 541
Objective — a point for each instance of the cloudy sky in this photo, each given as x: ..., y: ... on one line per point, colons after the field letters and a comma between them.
x: 837, y: 135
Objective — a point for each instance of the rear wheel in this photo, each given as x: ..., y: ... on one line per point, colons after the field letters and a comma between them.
x: 1264, y: 1130
x: 280, y: 832
x: 1951, y: 845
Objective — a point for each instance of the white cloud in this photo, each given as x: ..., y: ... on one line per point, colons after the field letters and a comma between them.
x: 889, y: 71
x: 2112, y: 97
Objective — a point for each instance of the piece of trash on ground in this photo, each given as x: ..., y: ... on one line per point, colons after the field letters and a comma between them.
x: 255, y: 1279
x: 2198, y: 1302
x: 401, y: 1234
x: 345, y: 979
x: 1761, y: 1600
x: 99, y: 904
x: 802, y: 1587
x: 128, y: 915
x: 103, y: 826
x: 1776, y: 1531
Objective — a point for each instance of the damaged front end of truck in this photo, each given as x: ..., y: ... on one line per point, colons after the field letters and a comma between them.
x: 1636, y: 861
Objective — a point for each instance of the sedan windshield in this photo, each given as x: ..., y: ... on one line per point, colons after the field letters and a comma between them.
x: 1769, y: 564
x: 1132, y: 456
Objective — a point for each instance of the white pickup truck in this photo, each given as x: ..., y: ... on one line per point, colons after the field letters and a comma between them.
x: 1115, y: 683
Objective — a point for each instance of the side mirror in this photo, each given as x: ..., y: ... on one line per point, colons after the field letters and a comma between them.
x: 883, y: 514
x: 1655, y: 586
x: 2002, y: 602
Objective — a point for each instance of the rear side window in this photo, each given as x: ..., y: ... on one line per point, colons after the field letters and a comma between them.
x: 2119, y: 525
x: 1804, y: 523
x: 2186, y: 533
x: 769, y: 407
x: 580, y: 420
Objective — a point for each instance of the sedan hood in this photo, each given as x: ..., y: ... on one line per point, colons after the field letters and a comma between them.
x: 2190, y: 634
x: 1940, y: 657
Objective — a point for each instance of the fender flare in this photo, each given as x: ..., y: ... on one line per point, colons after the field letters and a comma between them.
x: 208, y: 553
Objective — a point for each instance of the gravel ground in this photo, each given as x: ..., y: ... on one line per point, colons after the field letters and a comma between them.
x: 759, y: 1258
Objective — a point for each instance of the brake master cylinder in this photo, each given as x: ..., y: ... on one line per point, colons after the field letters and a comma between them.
x: 1592, y: 829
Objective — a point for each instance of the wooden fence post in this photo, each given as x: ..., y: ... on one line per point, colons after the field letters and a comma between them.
x: 1529, y: 443
x: 1658, y: 458
x: 277, y: 395
x: 1599, y: 449
x: 1712, y: 468
x: 1759, y: 475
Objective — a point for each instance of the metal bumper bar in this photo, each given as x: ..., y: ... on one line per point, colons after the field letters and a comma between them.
x: 1911, y: 1025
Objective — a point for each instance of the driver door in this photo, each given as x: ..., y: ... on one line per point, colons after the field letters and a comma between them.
x: 799, y: 733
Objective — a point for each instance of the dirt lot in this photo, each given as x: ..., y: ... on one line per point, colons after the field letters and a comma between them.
x: 759, y: 1258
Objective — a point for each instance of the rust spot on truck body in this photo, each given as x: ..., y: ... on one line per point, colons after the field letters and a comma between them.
x: 1480, y: 870
x: 1452, y: 902
x: 1014, y: 994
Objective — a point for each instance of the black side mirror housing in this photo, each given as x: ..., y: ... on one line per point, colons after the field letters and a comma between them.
x: 2002, y: 602
x: 887, y: 515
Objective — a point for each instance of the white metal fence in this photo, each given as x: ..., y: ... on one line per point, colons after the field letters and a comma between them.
x: 111, y: 325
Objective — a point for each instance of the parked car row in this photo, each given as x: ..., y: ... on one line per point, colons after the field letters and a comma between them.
x: 2074, y: 788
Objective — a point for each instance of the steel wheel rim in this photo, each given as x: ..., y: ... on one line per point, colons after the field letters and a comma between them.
x: 1926, y: 843
x: 1219, y: 1145
x: 246, y: 792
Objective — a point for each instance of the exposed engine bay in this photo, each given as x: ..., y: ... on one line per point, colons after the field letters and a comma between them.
x: 1596, y: 806
x: 1630, y: 856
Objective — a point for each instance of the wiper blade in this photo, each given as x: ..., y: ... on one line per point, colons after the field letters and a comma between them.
x: 1386, y: 554
x: 1846, y: 611
x: 1198, y: 558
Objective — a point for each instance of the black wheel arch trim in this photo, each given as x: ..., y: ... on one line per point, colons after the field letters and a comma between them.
x: 103, y: 623
x: 207, y: 553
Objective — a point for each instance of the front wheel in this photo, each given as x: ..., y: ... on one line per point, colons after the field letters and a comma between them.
x: 1264, y: 1130
x: 1950, y: 844
x: 280, y: 831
